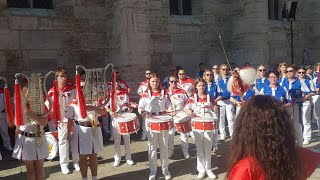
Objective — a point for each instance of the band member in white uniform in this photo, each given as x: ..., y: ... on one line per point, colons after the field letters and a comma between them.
x: 31, y: 144
x: 226, y: 106
x: 67, y: 94
x: 185, y: 82
x: 142, y: 88
x: 4, y: 124
x: 156, y: 102
x: 203, y: 140
x: 87, y: 136
x: 308, y: 89
x: 123, y: 101
x: 178, y: 99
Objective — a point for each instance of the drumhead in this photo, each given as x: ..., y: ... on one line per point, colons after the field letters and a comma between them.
x: 160, y: 118
x: 125, y: 117
x: 181, y: 117
x: 52, y: 146
x: 203, y: 119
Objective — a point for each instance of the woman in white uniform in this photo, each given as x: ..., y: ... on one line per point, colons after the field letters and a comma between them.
x: 87, y: 136
x: 155, y: 102
x: 203, y: 139
x: 31, y: 145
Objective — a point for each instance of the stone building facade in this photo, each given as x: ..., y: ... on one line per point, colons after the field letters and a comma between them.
x: 140, y: 34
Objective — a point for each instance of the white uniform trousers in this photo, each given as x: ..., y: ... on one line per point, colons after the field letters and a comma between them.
x: 4, y: 131
x: 316, y: 103
x: 64, y: 146
x: 294, y: 112
x: 155, y: 140
x: 183, y: 138
x: 226, y: 110
x: 117, y: 143
x: 203, y: 141
x: 306, y: 120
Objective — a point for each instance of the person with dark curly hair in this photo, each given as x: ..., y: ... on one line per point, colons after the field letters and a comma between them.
x: 264, y: 146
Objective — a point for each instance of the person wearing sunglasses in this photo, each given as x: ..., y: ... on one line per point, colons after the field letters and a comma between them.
x: 212, y: 90
x: 282, y: 68
x: 166, y: 83
x: 123, y: 84
x: 261, y: 80
x: 308, y: 90
x: 178, y: 99
x: 142, y: 88
x: 293, y: 85
x: 186, y: 83
x: 226, y: 106
x: 215, y: 71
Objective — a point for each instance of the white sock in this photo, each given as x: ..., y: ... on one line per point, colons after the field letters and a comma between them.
x: 94, y: 177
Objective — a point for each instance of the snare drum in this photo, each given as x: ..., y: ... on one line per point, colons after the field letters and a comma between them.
x: 52, y: 139
x: 204, y: 124
x: 182, y: 122
x: 161, y: 123
x: 127, y: 123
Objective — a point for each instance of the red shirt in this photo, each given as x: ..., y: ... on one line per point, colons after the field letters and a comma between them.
x: 309, y: 162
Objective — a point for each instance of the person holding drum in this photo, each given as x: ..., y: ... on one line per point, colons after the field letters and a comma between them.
x: 68, y: 93
x: 204, y: 109
x: 124, y: 104
x: 142, y: 88
x: 31, y: 145
x: 178, y: 99
x: 154, y: 105
x: 87, y: 137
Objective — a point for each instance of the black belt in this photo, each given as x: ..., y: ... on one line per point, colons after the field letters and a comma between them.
x: 84, y: 123
x: 160, y: 113
x: 225, y: 98
x: 27, y: 134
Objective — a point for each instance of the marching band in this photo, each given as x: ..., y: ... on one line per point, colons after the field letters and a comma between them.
x: 197, y: 108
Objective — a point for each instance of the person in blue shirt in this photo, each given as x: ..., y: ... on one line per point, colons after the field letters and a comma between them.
x: 261, y: 80
x: 315, y: 98
x: 308, y: 89
x: 278, y: 92
x: 238, y: 102
x: 201, y: 70
x: 226, y: 106
x: 282, y: 68
x: 292, y: 84
x: 212, y: 90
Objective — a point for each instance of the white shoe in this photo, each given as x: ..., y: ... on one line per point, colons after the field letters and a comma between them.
x: 305, y: 142
x: 167, y: 176
x: 201, y: 175
x: 116, y: 163
x: 186, y: 155
x: 111, y: 138
x: 65, y: 170
x: 211, y: 175
x: 222, y: 137
x: 152, y: 176
x: 130, y: 162
x: 144, y: 136
x: 76, y: 166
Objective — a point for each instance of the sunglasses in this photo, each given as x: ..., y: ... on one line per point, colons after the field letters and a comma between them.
x: 181, y: 74
x: 290, y: 71
x: 301, y: 72
x: 208, y: 74
x: 173, y: 81
x: 262, y: 70
x: 215, y: 68
x: 224, y: 69
x: 148, y: 73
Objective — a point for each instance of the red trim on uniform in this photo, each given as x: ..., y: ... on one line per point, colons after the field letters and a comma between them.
x: 8, y: 107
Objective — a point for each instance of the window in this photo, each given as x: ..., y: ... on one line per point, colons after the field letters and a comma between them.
x: 273, y: 9
x: 180, y: 7
x: 41, y: 4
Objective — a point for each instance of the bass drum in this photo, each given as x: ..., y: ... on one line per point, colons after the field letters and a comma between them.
x: 52, y: 139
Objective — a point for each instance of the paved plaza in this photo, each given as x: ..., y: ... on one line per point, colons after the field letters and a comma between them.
x: 180, y: 168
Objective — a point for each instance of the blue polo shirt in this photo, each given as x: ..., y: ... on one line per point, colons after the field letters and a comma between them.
x: 212, y: 90
x: 249, y: 93
x: 279, y: 93
x: 222, y: 83
x: 261, y: 82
